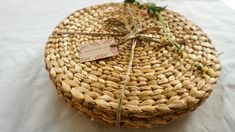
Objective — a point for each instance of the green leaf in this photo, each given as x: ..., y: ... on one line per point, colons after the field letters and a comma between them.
x: 151, y: 8
x: 139, y: 4
x: 159, y: 8
x: 129, y: 1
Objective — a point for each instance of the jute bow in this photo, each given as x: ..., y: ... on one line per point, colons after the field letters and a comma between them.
x: 127, y: 33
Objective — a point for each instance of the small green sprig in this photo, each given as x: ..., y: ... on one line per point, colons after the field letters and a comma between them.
x: 168, y: 37
x: 156, y: 11
x: 153, y: 9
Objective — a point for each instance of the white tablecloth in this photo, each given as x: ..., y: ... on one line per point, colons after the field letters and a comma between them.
x: 28, y: 101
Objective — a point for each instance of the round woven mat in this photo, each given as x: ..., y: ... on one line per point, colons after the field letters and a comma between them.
x: 163, y: 85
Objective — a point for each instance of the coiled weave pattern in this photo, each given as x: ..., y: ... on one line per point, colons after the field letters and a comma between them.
x: 163, y: 84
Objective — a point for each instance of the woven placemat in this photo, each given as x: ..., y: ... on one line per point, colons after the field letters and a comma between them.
x: 163, y: 84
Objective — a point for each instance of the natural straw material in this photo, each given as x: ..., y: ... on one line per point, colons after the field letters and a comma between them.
x: 163, y: 84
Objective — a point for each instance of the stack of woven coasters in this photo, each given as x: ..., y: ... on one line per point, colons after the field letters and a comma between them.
x: 147, y: 82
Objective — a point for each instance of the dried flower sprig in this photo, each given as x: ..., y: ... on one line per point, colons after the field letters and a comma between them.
x: 168, y: 37
x: 156, y: 11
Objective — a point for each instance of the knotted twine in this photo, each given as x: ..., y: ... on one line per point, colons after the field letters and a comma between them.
x: 135, y: 35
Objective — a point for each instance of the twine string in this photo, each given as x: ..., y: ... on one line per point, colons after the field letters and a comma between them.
x: 133, y: 36
x: 119, y: 109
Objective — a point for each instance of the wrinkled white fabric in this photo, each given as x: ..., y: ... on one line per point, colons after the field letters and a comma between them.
x: 28, y: 100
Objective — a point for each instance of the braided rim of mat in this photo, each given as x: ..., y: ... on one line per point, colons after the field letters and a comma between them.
x: 163, y: 84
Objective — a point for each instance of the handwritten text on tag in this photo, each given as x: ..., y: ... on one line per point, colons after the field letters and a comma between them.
x: 98, y: 50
